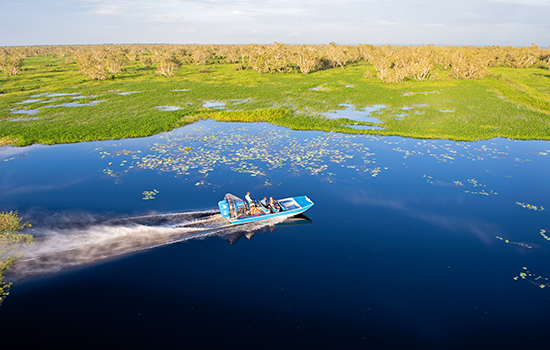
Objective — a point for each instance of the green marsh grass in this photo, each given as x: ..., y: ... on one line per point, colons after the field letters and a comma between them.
x: 512, y: 103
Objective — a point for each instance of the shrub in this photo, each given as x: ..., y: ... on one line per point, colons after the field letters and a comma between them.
x: 306, y: 58
x: 11, y: 63
x: 167, y: 63
x: 92, y: 63
x: 9, y: 223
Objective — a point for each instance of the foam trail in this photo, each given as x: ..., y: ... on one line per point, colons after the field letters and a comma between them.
x: 60, y: 248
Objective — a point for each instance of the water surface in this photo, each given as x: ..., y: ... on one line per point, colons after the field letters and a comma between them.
x: 412, y: 243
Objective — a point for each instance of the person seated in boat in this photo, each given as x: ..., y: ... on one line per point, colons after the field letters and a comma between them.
x: 249, y: 199
x: 278, y: 205
x: 274, y: 205
x: 264, y: 206
x: 264, y: 203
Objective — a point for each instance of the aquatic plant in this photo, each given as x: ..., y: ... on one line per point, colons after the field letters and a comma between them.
x: 10, y: 222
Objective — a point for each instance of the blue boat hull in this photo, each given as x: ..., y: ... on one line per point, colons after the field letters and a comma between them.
x: 291, y: 206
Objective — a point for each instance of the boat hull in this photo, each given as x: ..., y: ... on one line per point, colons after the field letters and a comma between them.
x: 292, y: 206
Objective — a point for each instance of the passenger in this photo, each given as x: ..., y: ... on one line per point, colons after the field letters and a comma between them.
x: 263, y: 202
x: 265, y: 205
x: 275, y: 208
x: 249, y: 199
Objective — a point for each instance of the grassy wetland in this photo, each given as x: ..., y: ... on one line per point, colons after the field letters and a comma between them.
x: 70, y: 94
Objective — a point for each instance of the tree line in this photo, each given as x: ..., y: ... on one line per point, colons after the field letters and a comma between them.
x: 392, y: 64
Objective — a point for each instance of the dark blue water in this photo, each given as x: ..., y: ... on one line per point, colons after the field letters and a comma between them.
x: 416, y: 244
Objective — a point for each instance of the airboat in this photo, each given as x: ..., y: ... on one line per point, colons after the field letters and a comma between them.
x: 238, y: 211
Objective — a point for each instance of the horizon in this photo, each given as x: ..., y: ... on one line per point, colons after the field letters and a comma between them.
x: 292, y: 44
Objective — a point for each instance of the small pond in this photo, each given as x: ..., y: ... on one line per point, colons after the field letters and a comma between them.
x: 411, y: 244
x: 361, y: 115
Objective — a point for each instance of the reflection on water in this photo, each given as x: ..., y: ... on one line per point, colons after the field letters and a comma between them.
x: 238, y: 232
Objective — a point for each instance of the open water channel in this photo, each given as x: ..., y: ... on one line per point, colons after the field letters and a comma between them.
x: 411, y: 244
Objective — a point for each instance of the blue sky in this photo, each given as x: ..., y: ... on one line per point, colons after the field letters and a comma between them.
x: 398, y: 22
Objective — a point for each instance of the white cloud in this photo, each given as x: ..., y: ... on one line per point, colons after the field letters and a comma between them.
x: 106, y: 10
x: 474, y: 22
x: 526, y: 2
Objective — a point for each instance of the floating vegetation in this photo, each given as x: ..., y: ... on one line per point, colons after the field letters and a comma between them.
x: 111, y: 173
x: 525, y: 245
x: 257, y: 151
x: 458, y: 183
x: 149, y: 194
x: 543, y: 234
x: 530, y: 206
x: 539, y: 281
x: 254, y: 154
x: 475, y: 183
x: 482, y: 192
x: 15, y: 157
